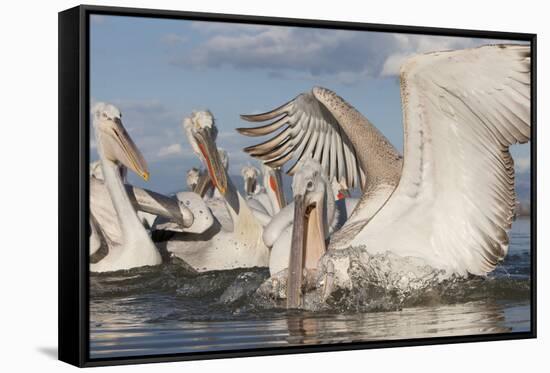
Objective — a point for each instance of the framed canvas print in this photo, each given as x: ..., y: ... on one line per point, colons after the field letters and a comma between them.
x: 237, y: 186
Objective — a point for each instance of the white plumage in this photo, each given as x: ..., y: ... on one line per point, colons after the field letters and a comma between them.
x: 454, y: 203
x: 222, y: 247
x: 451, y: 201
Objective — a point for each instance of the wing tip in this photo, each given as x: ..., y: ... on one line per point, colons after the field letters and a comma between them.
x: 242, y: 130
x: 249, y: 117
x: 268, y: 114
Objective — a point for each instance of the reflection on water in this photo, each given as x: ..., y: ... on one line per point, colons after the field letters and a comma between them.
x: 120, y: 339
x: 155, y: 314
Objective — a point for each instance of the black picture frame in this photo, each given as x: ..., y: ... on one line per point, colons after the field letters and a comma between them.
x: 74, y: 188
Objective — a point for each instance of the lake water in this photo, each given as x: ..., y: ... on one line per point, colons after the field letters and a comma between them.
x: 164, y: 310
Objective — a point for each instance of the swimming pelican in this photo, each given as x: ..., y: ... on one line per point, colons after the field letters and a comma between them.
x: 113, y: 205
x: 115, y: 147
x: 198, y: 181
x: 323, y: 206
x: 313, y: 210
x: 267, y: 198
x: 219, y: 248
x: 256, y: 197
x: 250, y: 176
x: 450, y: 203
x: 192, y: 178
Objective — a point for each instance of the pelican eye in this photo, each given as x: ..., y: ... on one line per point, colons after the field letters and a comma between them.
x: 309, y: 185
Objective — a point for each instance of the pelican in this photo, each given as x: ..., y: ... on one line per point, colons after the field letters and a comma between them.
x: 115, y: 147
x: 267, y: 198
x: 198, y: 181
x: 219, y: 248
x: 449, y: 200
x: 250, y: 176
x: 192, y: 178
x: 114, y: 221
x: 313, y: 212
x: 324, y: 208
x: 256, y: 197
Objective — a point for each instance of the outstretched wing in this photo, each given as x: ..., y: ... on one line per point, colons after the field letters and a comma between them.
x: 455, y: 200
x: 302, y: 128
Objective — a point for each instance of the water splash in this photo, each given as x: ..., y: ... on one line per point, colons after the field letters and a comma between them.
x: 352, y: 280
x: 348, y: 280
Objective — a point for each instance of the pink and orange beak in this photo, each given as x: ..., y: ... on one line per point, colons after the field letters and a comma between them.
x: 212, y: 159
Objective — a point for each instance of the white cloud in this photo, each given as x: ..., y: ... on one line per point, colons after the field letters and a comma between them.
x: 170, y: 150
x: 523, y: 164
x: 311, y: 54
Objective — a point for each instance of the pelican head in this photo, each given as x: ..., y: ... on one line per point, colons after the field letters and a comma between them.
x: 201, y: 132
x: 193, y: 178
x: 199, y: 181
x: 250, y: 175
x: 273, y: 183
x: 114, y: 143
x: 313, y: 203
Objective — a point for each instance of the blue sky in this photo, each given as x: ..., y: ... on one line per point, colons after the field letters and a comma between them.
x: 158, y: 70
